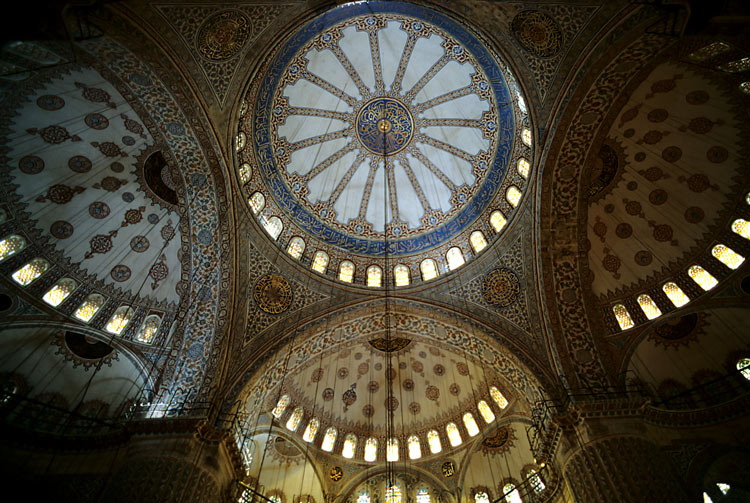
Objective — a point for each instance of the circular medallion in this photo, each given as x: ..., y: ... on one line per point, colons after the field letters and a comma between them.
x: 273, y: 294
x: 384, y: 126
x: 61, y: 229
x: 223, y: 35
x: 537, y: 32
x: 501, y: 287
x: 31, y: 165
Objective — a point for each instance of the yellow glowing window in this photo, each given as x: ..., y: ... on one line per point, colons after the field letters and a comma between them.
x: 537, y: 484
x: 738, y: 65
x: 59, y: 292
x: 89, y: 308
x: 649, y: 307
x: 486, y: 412
x: 433, y: 440
x: 743, y: 365
x: 526, y: 136
x: 346, y: 271
x: 371, y: 449
x: 281, y: 406
x: 391, y: 452
x: 741, y: 227
x: 350, y: 445
x: 724, y: 488
x: 428, y: 269
x: 497, y: 220
x: 374, y: 276
x: 241, y: 139
x: 148, y: 328
x: 709, y: 51
x: 245, y: 172
x: 481, y: 497
x: 415, y: 451
x: 454, y: 437
x: 471, y: 424
x: 675, y: 294
x: 498, y: 397
x: 257, y: 202
x: 311, y: 430
x: 455, y: 258
x: 727, y: 256
x: 320, y: 262
x: 294, y: 419
x: 296, y: 247
x: 329, y: 439
x: 273, y: 226
x: 523, y: 167
x: 623, y: 317
x: 401, y: 273
x: 11, y: 245
x: 30, y: 271
x: 119, y: 320
x: 702, y: 277
x: 393, y: 494
x: 513, y: 195
x: 478, y: 242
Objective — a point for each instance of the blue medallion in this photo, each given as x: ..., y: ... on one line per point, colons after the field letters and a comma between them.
x: 384, y: 126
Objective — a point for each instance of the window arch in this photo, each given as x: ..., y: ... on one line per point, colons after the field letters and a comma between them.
x: 675, y: 294
x: 423, y: 495
x: 433, y: 440
x: 471, y: 424
x: 727, y: 256
x: 296, y: 247
x: 649, y: 307
x: 481, y: 497
x: 148, y: 328
x: 513, y: 195
x: 364, y: 496
x: 741, y: 227
x: 11, y: 245
x: 329, y: 439
x: 743, y: 365
x: 346, y: 271
x: 536, y: 482
x: 320, y: 262
x: 511, y: 494
x: 486, y: 412
x: 245, y: 172
x: 498, y: 397
x: 401, y: 275
x: 393, y: 494
x: 455, y: 258
x: 374, y: 276
x: 89, y: 308
x: 428, y: 269
x: 350, y: 445
x: 391, y: 451
x: 526, y: 136
x: 240, y: 141
x: 623, y: 317
x: 294, y: 419
x: 371, y: 449
x: 415, y: 450
x: 454, y: 436
x: 119, y: 320
x: 478, y: 242
x: 497, y: 220
x: 273, y: 226
x: 523, y: 167
x: 59, y: 292
x: 281, y: 406
x: 31, y: 271
x: 257, y: 202
x: 704, y: 279
x: 311, y: 430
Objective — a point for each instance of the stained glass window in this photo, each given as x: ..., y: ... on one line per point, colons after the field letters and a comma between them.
x: 471, y: 424
x: 393, y: 494
x: 709, y: 51
x: 478, y: 242
x: 346, y: 271
x: 391, y: 452
x: 537, y: 484
x: 294, y: 419
x: 428, y: 269
x: 11, y: 245
x: 246, y: 453
x: 526, y: 136
x: 423, y: 495
x: 89, y: 308
x: 454, y: 436
x: 623, y: 317
x: 273, y: 226
x: 741, y: 227
x: 702, y: 277
x: 401, y: 273
x: 455, y: 258
x: 245, y: 172
x: 649, y: 307
x: 521, y: 103
x: 523, y: 167
x: 320, y: 262
x: 415, y: 451
x: 59, y: 292
x: 241, y: 139
x: 497, y: 220
x: 148, y: 328
x: 364, y: 497
x: 433, y: 440
x: 350, y: 445
x: 738, y: 65
x: 257, y: 202
x: 727, y: 256
x: 511, y: 494
x: 119, y: 320
x: 513, y: 195
x: 486, y: 412
x: 30, y: 271
x: 743, y: 365
x: 329, y: 439
x: 296, y: 247
x: 311, y: 430
x: 275, y: 498
x: 724, y: 488
x: 371, y: 449
x: 498, y: 397
x: 707, y: 498
x: 374, y: 276
x: 481, y: 497
x: 675, y: 294
x: 281, y: 406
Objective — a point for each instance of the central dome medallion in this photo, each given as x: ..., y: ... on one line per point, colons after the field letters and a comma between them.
x: 384, y: 126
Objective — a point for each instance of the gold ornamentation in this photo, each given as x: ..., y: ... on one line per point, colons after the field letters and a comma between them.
x: 389, y: 346
x: 273, y: 294
x: 501, y: 287
x: 448, y: 469
x: 538, y: 33
x: 336, y: 473
x: 223, y: 35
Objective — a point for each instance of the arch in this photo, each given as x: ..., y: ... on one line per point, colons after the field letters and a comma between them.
x: 11, y: 245
x: 478, y: 242
x: 257, y: 202
x: 320, y: 262
x: 58, y: 293
x: 30, y: 271
x: 346, y: 271
x: 455, y: 258
x: 401, y: 275
x: 429, y: 270
x: 374, y: 276
x: 296, y: 247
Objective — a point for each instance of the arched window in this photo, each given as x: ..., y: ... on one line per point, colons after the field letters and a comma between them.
x: 401, y: 274
x: 320, y: 262
x: 727, y: 256
x: 374, y: 276
x: 30, y: 271
x: 423, y: 495
x: 481, y: 497
x: 350, y: 445
x: 623, y: 317
x: 649, y: 307
x: 675, y: 294
x: 455, y: 258
x: 523, y: 167
x: 59, y: 292
x: 273, y: 226
x: 371, y: 449
x: 329, y: 439
x: 521, y: 102
x: 119, y: 320
x: 537, y: 484
x: 89, y: 308
x: 724, y: 488
x: 11, y: 245
x: 471, y: 424
x: 707, y: 498
x: 511, y: 494
x: 364, y: 497
x: 391, y: 452
x: 296, y: 247
x: 454, y: 436
x: 743, y: 365
x: 281, y: 406
x: 257, y: 202
x: 275, y: 498
x: 741, y: 227
x: 240, y: 141
x: 393, y: 494
x: 148, y: 328
x: 415, y: 451
x: 497, y: 220
x: 498, y: 397
x: 702, y: 277
x: 478, y: 243
x: 245, y: 172
x: 513, y: 195
x: 346, y: 271
x: 526, y: 136
x: 738, y: 65
x: 311, y: 430
x: 428, y: 269
x: 486, y: 412
x: 433, y: 440
x: 294, y: 419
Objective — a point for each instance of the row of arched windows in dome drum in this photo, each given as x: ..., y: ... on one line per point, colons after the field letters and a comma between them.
x: 698, y: 274
x: 370, y: 451
x: 64, y: 287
